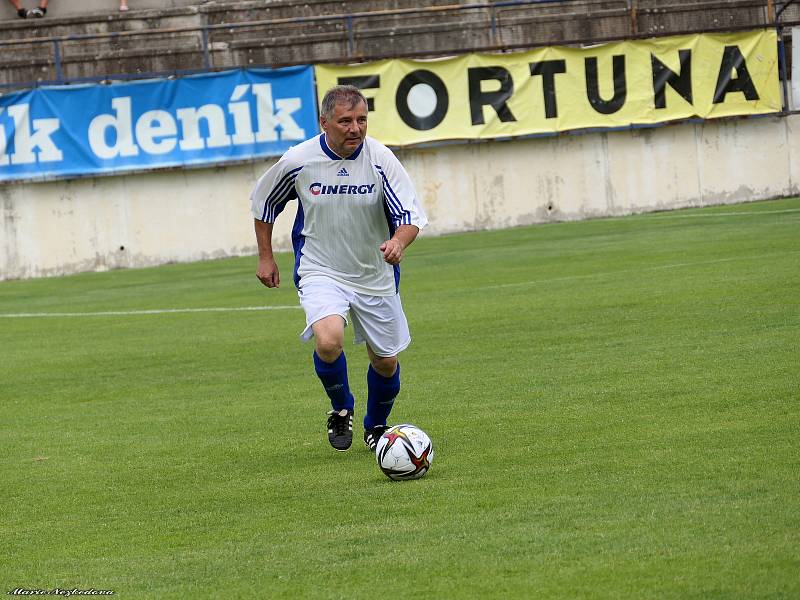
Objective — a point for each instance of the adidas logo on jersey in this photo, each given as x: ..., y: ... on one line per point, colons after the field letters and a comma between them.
x: 343, y: 172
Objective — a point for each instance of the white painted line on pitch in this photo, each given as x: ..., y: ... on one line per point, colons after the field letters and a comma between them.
x: 656, y: 216
x: 156, y: 311
x: 721, y: 214
x: 642, y: 270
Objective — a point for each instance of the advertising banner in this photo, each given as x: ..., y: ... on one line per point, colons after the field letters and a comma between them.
x: 69, y: 131
x: 548, y: 90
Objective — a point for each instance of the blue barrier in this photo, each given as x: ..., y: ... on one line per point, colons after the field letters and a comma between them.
x: 201, y: 119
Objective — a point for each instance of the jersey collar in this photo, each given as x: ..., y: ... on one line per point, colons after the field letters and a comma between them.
x: 332, y: 155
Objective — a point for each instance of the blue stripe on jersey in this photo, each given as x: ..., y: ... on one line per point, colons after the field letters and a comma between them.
x: 298, y: 241
x: 323, y: 144
x: 394, y: 203
x: 402, y: 216
x: 278, y: 207
x: 399, y: 216
x: 280, y: 195
x: 391, y: 198
x: 356, y: 152
x: 277, y: 199
x: 332, y: 155
x: 392, y: 229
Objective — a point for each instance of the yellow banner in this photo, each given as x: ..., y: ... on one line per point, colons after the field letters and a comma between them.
x: 559, y: 89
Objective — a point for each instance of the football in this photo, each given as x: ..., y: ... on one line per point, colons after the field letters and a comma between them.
x: 404, y: 452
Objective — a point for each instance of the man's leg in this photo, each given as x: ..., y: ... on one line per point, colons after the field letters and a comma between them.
x: 380, y: 322
x: 331, y: 367
x: 383, y: 385
x: 330, y: 362
x: 21, y: 12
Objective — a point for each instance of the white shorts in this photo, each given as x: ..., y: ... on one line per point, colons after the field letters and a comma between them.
x: 377, y: 320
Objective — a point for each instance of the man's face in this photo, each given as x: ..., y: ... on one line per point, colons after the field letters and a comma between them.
x: 346, y: 128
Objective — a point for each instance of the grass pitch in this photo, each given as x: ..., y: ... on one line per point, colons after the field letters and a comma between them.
x: 613, y: 403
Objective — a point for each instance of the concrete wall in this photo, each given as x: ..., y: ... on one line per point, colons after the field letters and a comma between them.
x: 142, y: 219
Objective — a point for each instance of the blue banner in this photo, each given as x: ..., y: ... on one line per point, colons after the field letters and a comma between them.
x: 69, y: 131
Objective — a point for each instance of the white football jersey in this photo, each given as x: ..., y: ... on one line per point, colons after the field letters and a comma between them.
x: 348, y: 208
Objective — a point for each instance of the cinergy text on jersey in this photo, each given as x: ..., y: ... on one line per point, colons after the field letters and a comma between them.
x: 318, y: 188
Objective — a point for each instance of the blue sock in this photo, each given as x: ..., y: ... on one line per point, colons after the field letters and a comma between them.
x: 381, y: 392
x: 334, y: 379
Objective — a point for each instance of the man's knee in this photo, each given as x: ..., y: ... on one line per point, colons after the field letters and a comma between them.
x: 329, y: 338
x: 384, y: 365
x: 328, y: 349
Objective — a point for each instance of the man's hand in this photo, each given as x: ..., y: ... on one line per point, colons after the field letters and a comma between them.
x: 268, y: 273
x: 392, y: 251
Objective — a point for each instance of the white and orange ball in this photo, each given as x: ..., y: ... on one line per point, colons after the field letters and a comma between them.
x: 404, y: 452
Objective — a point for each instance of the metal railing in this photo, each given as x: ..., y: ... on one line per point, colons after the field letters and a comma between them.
x: 347, y: 19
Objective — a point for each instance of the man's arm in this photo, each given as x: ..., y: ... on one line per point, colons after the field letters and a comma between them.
x: 267, y: 267
x: 393, y: 249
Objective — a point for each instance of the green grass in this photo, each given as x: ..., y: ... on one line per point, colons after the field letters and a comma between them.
x: 613, y: 403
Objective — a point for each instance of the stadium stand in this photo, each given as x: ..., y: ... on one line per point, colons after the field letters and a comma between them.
x: 98, y: 42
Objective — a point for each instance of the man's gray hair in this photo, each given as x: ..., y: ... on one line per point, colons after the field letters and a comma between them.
x: 341, y: 94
